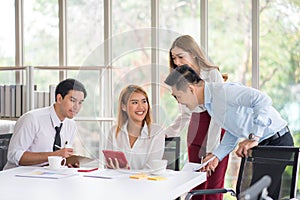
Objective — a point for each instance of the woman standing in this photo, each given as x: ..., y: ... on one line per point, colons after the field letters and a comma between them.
x: 204, y: 134
x: 135, y: 134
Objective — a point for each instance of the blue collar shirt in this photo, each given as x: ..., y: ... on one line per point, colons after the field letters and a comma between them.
x: 240, y: 111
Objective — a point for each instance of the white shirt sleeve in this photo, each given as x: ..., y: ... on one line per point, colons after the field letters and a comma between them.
x: 157, y: 145
x: 22, y: 139
x: 179, y: 123
x: 213, y: 136
x: 214, y: 130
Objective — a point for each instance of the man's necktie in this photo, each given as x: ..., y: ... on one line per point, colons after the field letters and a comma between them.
x: 57, y: 140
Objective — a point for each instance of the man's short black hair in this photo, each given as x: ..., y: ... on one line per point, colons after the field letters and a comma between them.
x: 65, y: 86
x: 181, y: 76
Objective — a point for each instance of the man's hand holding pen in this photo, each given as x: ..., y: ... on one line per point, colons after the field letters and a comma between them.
x: 66, y: 152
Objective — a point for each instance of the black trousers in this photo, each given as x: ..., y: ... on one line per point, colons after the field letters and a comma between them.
x: 259, y: 170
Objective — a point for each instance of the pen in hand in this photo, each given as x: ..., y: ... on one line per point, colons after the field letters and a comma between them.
x: 60, y: 146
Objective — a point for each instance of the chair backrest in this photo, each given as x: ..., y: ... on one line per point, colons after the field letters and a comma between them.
x: 271, y: 157
x: 4, y: 142
x: 172, y: 152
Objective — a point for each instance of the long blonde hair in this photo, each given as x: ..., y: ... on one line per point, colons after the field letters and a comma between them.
x: 188, y: 44
x: 123, y: 100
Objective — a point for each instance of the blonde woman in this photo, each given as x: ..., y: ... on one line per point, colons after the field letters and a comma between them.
x: 204, y: 134
x: 135, y: 134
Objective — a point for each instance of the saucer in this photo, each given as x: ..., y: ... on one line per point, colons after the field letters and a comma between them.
x: 56, y: 169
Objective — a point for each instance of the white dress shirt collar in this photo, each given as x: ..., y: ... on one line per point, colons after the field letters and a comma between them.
x: 54, y: 118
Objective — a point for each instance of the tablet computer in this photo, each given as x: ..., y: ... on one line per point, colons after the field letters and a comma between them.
x: 119, y: 155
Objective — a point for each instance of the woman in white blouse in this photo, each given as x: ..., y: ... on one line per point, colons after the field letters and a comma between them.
x: 134, y: 134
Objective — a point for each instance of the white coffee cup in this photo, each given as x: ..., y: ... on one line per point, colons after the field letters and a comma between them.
x: 158, y: 166
x: 56, y: 162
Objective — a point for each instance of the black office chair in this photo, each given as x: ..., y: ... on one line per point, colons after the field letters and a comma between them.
x: 172, y: 153
x: 258, y: 191
x: 4, y: 142
x: 269, y: 157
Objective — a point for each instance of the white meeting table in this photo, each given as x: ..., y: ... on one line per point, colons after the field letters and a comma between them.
x: 87, y: 188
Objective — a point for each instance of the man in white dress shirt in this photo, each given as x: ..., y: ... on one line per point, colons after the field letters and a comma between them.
x: 34, y: 133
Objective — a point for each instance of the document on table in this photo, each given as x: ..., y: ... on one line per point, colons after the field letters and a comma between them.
x: 196, y: 166
x: 45, y: 173
x: 108, y: 174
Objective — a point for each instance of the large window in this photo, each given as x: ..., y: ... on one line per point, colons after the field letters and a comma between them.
x: 110, y: 44
x: 40, y: 36
x: 131, y: 42
x: 230, y: 38
x: 85, y: 32
x: 7, y: 40
x: 280, y: 57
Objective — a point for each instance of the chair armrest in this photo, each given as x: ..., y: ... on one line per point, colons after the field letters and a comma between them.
x: 209, y: 191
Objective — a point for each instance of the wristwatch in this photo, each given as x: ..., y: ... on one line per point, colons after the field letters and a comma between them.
x: 253, y: 137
